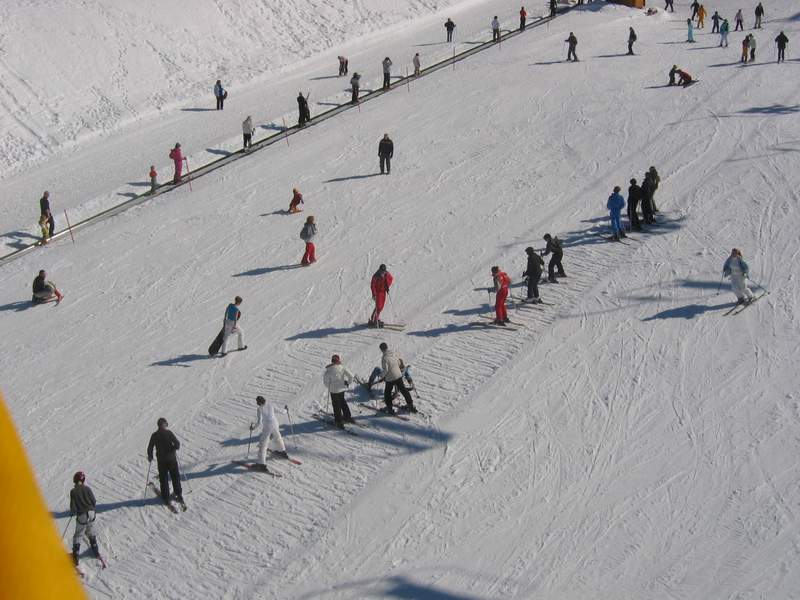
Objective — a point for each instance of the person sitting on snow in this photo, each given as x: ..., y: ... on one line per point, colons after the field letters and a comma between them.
x: 377, y: 376
x: 45, y: 291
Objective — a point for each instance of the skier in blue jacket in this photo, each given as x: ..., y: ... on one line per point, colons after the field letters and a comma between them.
x: 737, y: 270
x: 615, y: 205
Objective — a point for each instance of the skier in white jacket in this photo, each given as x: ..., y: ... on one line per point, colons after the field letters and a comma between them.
x: 737, y: 270
x: 247, y: 132
x: 337, y: 379
x: 393, y: 367
x: 266, y: 419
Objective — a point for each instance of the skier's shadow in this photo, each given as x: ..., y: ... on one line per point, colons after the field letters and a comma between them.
x: 323, y: 333
x: 450, y: 328
x: 265, y: 270
x: 688, y: 312
x: 103, y: 507
x: 179, y: 361
x: 18, y: 306
x: 464, y: 312
x: 338, y: 179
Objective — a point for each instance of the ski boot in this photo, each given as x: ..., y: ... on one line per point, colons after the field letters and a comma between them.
x: 93, y: 544
x: 76, y: 549
x: 411, y: 408
x: 281, y: 454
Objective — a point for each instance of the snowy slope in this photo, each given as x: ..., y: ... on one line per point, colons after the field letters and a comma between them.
x: 627, y: 442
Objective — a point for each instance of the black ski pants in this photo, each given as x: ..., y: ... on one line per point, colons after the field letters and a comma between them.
x: 168, y: 469
x: 647, y: 211
x: 449, y: 35
x: 247, y: 139
x: 633, y: 216
x: 533, y: 285
x: 630, y: 46
x: 341, y: 412
x: 354, y: 95
x: 522, y: 23
x: 669, y: 6
x: 555, y: 265
x: 495, y: 35
x: 781, y: 58
x: 739, y: 25
x: 571, y: 54
x: 220, y: 102
x: 715, y: 27
x: 386, y: 163
x: 401, y: 387
x: 386, y: 81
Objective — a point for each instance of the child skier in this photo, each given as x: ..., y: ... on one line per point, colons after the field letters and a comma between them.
x: 297, y: 200
x: 307, y: 234
x: 153, y: 179
x: 82, y: 506
x: 501, y: 283
x: 737, y: 270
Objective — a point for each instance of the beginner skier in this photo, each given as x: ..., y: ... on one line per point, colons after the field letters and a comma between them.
x: 337, y: 379
x: 634, y: 197
x: 715, y: 19
x: 307, y: 234
x: 82, y: 506
x: 690, y: 31
x: 752, y: 47
x: 153, y: 179
x: 648, y: 198
x: 342, y: 65
x: 297, y: 200
x: 43, y: 290
x: 377, y: 377
x: 739, y: 18
x: 724, y: 30
x: 177, y: 159
x: 302, y: 109
x: 781, y: 41
x: 523, y: 15
x: 533, y: 272
x: 379, y: 285
x: 701, y: 17
x: 737, y: 270
x: 449, y: 26
x: 387, y: 72
x: 393, y: 368
x: 416, y: 63
x: 554, y: 247
x: 759, y: 13
x: 247, y: 132
x: 220, y: 94
x: 501, y: 282
x: 615, y: 205
x: 166, y: 444
x: 45, y: 213
x: 230, y: 325
x: 266, y: 419
x: 355, y: 82
x: 745, y: 49
x: 695, y: 6
x: 495, y: 29
x: 631, y: 40
x: 385, y: 153
x: 572, y: 42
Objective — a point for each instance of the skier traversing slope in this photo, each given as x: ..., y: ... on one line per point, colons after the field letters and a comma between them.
x: 737, y: 270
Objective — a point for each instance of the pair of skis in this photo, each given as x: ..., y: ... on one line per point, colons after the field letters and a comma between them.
x: 169, y: 504
x: 740, y: 307
x: 389, y: 326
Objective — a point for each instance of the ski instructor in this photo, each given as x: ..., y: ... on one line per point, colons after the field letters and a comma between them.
x: 165, y: 444
x: 380, y: 284
x: 266, y: 419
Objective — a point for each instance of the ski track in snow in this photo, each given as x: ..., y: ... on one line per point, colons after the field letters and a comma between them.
x: 628, y: 441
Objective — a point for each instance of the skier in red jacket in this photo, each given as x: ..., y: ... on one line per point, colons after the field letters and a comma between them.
x: 501, y: 283
x: 380, y: 284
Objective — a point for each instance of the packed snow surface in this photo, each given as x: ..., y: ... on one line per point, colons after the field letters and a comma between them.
x: 626, y: 441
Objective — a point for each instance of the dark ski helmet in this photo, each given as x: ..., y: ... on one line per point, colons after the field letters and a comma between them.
x: 162, y: 421
x: 80, y: 476
x: 529, y: 250
x: 547, y: 236
x: 382, y: 267
x: 260, y: 400
x: 495, y: 270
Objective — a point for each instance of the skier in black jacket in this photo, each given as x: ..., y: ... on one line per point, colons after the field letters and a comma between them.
x: 385, y: 153
x: 631, y: 40
x: 648, y: 191
x: 634, y: 197
x: 554, y: 247
x: 82, y: 507
x: 533, y: 272
x: 781, y: 41
x: 302, y: 109
x: 165, y: 444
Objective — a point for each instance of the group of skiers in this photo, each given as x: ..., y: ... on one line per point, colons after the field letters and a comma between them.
x: 643, y: 196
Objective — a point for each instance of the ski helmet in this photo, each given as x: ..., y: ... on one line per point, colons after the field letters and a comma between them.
x: 162, y: 421
x: 260, y: 400
x: 80, y: 476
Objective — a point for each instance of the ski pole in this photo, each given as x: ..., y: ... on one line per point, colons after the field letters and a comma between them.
x: 188, y: 173
x: 758, y: 286
x: 249, y: 441
x: 285, y: 131
x: 147, y: 479
x: 183, y: 475
x: 288, y: 416
x: 719, y: 287
x: 69, y: 226
x: 65, y: 528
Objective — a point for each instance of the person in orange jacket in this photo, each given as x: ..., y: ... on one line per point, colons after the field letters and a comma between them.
x: 381, y: 282
x: 701, y: 16
x: 297, y: 200
x: 501, y: 283
x: 522, y: 17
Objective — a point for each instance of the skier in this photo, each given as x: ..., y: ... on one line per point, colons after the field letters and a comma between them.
x: 177, y: 159
x: 690, y: 31
x: 615, y: 205
x: 387, y: 72
x: 45, y: 229
x: 385, y: 153
x: 297, y: 200
x: 533, y: 272
x: 781, y: 41
x: 307, y: 234
x: 220, y: 94
x: 393, y: 368
x: 655, y: 179
x: 724, y: 30
x: 739, y: 20
x: 759, y: 13
x: 302, y: 109
x: 44, y: 290
x: 377, y: 376
x: 631, y: 40
x: 342, y: 65
x: 379, y: 285
x: 668, y: 5
x: 247, y: 132
x: 737, y: 270
x: 44, y: 212
x: 500, y: 281
x: 701, y: 17
x: 416, y: 62
x: 648, y: 193
x: 495, y: 29
x: 82, y: 506
x: 573, y: 43
x: 266, y: 419
x: 153, y: 179
x: 553, y: 9
x: 337, y: 379
x: 522, y: 17
x: 684, y: 79
x: 715, y: 19
x: 230, y: 325
x: 745, y: 49
x: 695, y: 6
x: 752, y: 47
x: 634, y: 197
x: 355, y: 82
x: 449, y: 26
x: 554, y: 247
x: 165, y: 444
